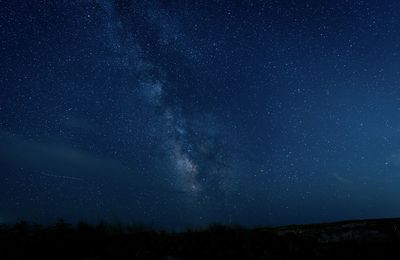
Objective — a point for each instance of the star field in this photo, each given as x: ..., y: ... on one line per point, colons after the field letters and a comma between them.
x: 184, y: 113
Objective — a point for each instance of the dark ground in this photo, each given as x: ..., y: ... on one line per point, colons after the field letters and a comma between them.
x: 365, y: 239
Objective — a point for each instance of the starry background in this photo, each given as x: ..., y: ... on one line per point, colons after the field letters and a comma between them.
x: 184, y: 113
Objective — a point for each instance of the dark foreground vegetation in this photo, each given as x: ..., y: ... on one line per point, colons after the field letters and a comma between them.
x: 369, y: 239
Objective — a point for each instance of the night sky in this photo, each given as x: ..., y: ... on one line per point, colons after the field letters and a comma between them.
x: 184, y: 113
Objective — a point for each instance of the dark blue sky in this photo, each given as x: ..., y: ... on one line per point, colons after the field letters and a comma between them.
x: 183, y: 113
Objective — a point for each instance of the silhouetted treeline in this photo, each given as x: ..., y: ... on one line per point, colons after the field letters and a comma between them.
x: 374, y: 239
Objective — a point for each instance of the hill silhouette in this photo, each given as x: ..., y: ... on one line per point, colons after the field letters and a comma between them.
x: 362, y: 239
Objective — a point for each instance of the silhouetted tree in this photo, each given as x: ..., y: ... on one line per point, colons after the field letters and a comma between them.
x: 22, y: 227
x: 62, y: 226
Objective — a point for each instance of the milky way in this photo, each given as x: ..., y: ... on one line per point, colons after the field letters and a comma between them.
x: 183, y: 142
